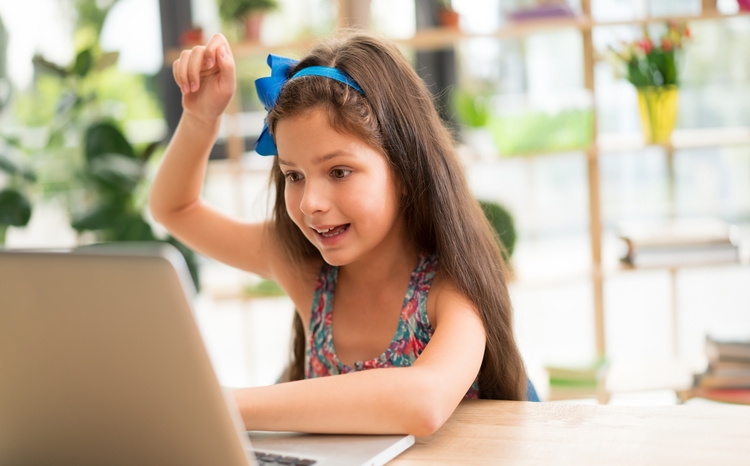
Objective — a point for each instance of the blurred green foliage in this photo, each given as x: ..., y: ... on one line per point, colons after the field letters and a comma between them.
x: 503, y: 224
x: 473, y: 109
x: 15, y: 207
x: 264, y: 289
x: 236, y: 10
x: 538, y: 132
x: 79, y: 153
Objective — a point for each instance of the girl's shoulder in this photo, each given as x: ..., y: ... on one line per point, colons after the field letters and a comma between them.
x: 298, y: 279
x: 444, y: 294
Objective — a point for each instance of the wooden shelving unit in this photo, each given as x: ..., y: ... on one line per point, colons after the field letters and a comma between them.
x: 440, y: 38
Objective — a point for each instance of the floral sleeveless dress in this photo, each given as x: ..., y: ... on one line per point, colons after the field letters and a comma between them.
x: 412, y: 335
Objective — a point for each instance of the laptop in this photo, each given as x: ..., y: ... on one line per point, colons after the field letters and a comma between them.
x: 102, y: 363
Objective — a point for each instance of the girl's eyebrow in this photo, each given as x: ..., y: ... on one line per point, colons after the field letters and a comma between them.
x: 319, y: 160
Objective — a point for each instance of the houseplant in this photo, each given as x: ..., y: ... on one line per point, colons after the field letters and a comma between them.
x: 87, y: 162
x: 15, y: 207
x: 473, y: 110
x: 248, y: 13
x: 446, y: 16
x: 651, y: 66
x: 503, y: 224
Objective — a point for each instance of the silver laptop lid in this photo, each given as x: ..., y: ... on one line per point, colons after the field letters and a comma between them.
x: 101, y: 362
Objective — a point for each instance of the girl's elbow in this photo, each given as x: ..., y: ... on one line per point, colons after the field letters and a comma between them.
x: 153, y: 206
x: 425, y: 425
x: 429, y: 416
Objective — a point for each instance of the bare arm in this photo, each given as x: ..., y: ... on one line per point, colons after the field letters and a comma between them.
x: 415, y: 400
x: 207, y: 80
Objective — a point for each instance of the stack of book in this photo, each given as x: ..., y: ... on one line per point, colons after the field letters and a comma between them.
x: 677, y: 242
x: 542, y: 9
x: 728, y: 375
x: 584, y: 381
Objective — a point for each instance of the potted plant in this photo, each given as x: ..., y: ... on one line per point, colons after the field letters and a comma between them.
x: 15, y: 207
x: 473, y: 111
x: 103, y: 176
x: 652, y: 68
x: 503, y: 224
x: 248, y: 13
x: 447, y: 17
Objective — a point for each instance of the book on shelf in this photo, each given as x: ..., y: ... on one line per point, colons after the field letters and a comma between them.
x: 723, y: 379
x: 734, y: 354
x: 727, y: 377
x: 676, y: 242
x: 542, y: 9
x: 724, y: 395
x: 577, y: 381
x: 724, y: 366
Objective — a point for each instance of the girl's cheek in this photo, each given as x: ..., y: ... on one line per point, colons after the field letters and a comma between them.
x: 292, y: 205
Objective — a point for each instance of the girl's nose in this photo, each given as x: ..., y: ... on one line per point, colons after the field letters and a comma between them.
x: 314, y: 199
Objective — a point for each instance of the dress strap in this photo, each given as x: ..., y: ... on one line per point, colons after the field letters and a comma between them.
x: 324, y: 287
x: 418, y: 289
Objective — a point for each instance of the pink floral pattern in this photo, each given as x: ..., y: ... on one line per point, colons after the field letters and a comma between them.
x: 412, y: 335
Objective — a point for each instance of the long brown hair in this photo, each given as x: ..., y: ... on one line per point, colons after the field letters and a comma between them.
x: 397, y: 116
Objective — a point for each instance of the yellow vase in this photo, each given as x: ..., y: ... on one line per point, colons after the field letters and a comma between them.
x: 658, y: 107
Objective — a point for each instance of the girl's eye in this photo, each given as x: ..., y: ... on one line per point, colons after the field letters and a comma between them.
x: 293, y: 177
x: 340, y: 173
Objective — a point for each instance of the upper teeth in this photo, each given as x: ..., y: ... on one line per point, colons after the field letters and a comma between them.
x: 324, y: 231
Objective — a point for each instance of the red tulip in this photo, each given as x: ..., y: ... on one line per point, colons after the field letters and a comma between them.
x: 646, y: 45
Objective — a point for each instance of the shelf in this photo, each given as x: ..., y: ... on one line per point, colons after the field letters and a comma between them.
x: 439, y: 38
x: 682, y: 139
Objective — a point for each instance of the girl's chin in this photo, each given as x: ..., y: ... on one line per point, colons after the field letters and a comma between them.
x: 337, y: 258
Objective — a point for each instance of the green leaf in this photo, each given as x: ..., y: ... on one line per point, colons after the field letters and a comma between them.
x: 67, y: 102
x: 6, y: 91
x: 106, y: 60
x: 472, y: 109
x: 190, y: 258
x: 11, y: 167
x: 11, y: 140
x: 105, y: 138
x: 48, y: 67
x: 149, y: 151
x: 130, y: 227
x: 264, y: 289
x: 117, y: 172
x: 83, y: 63
x: 100, y: 218
x: 15, y: 208
x: 503, y: 224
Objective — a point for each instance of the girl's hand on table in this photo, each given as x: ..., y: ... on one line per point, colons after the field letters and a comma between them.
x: 206, y: 77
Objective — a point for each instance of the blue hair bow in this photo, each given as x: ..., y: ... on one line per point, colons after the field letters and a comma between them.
x: 269, y: 88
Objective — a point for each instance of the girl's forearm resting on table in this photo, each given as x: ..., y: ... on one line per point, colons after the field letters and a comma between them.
x: 180, y: 178
x: 404, y: 400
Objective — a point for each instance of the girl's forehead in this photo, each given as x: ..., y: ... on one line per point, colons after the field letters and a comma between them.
x: 310, y: 139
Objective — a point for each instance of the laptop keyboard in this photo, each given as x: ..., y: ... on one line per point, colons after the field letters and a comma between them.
x: 267, y: 458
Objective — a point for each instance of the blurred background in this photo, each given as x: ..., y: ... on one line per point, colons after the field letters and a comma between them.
x: 609, y: 138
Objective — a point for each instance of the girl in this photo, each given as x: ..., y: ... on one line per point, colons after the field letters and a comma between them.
x: 371, y: 208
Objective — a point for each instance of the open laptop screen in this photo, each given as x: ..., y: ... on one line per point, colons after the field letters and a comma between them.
x: 101, y: 362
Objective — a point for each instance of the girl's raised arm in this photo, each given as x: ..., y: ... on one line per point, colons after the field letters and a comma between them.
x: 206, y: 77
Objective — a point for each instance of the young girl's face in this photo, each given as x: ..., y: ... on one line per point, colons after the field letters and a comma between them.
x: 339, y: 191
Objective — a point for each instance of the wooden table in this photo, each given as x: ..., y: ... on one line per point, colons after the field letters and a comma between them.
x: 520, y: 433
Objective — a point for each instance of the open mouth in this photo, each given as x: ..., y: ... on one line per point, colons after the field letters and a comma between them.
x: 333, y: 231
